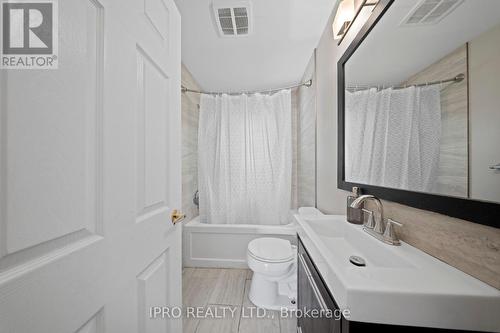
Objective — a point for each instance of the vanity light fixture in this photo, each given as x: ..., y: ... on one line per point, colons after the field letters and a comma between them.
x: 347, y: 12
x: 343, y: 18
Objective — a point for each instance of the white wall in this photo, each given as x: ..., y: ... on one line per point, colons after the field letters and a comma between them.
x: 329, y: 198
x: 306, y: 139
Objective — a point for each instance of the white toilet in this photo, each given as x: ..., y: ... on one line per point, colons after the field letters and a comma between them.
x: 274, y: 265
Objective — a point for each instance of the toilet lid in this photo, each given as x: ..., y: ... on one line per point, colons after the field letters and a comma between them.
x: 270, y: 249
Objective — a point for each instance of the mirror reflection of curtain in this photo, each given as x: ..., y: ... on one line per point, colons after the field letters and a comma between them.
x: 245, y: 158
x: 392, y: 137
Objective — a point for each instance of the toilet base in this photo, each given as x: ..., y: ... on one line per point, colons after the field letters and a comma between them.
x: 265, y: 294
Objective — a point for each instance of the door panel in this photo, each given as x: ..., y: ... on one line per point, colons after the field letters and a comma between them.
x: 157, y: 13
x: 51, y: 190
x: 94, y: 325
x: 152, y: 283
x: 87, y: 152
x: 52, y: 130
x: 153, y: 90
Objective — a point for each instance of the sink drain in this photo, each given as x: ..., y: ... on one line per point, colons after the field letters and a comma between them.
x: 357, y: 261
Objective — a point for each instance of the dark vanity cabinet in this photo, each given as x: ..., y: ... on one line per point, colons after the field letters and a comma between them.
x: 313, y: 299
x: 313, y: 295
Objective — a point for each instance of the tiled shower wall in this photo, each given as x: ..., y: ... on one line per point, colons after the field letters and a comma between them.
x: 190, y: 111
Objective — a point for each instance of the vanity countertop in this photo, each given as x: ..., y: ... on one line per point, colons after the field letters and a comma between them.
x: 399, y: 285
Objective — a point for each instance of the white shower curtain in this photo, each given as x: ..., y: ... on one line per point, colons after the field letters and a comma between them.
x: 245, y: 158
x: 392, y: 137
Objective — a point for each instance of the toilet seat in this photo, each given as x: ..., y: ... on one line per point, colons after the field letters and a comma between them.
x: 271, y: 250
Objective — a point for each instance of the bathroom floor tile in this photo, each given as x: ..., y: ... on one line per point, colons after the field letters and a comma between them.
x: 250, y: 323
x: 213, y: 324
x: 198, y: 284
x: 229, y: 288
x: 189, y: 325
x: 246, y: 300
x: 202, y: 287
x: 288, y: 325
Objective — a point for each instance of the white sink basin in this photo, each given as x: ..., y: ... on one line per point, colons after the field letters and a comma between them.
x: 346, y: 241
x: 400, y: 284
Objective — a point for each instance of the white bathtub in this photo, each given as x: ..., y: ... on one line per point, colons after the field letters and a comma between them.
x: 225, y: 245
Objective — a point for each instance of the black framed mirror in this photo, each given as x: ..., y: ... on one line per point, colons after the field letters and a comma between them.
x: 419, y: 107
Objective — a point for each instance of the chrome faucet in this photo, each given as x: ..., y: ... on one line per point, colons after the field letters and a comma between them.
x: 379, y: 216
x: 378, y: 230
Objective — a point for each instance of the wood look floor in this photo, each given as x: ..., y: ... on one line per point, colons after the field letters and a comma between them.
x: 215, y: 289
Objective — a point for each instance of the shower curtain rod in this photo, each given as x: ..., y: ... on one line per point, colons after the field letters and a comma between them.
x: 305, y: 84
x: 460, y: 77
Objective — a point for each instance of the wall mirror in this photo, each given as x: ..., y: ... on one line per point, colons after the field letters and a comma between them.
x: 419, y: 107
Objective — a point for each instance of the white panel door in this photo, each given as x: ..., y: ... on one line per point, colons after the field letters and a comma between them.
x: 90, y: 173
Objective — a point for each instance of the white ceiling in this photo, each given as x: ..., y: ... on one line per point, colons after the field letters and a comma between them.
x: 285, y: 33
x: 392, y: 53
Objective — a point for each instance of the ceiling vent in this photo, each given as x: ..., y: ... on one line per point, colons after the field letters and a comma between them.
x: 233, y: 18
x: 430, y: 12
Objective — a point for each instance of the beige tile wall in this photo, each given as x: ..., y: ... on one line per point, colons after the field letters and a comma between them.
x: 190, y: 114
x: 295, y: 111
x: 470, y: 247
